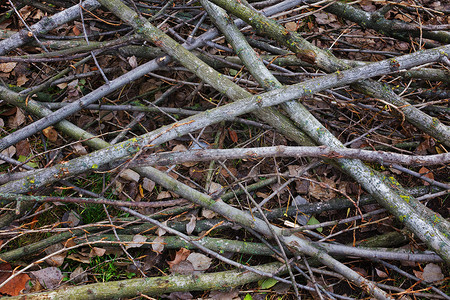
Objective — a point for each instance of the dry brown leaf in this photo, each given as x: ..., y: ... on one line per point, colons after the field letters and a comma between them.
x: 381, y: 274
x: 18, y: 119
x: 49, y: 278
x: 160, y: 231
x: 79, y: 149
x: 15, y: 285
x: 196, y: 173
x: 23, y: 148
x: 96, y: 251
x: 432, y: 273
x: 215, y: 187
x: 233, y: 135
x: 133, y: 62
x: 224, y: 295
x: 78, y: 275
x: 191, y: 225
x: 138, y: 241
x: 426, y: 173
x: 58, y: 259
x: 208, y: 214
x: 62, y: 85
x: 130, y: 175
x: 183, y: 268
x: 148, y: 184
x: 51, y: 134
x: 9, y: 152
x: 180, y: 255
x: 163, y: 195
x: 322, y: 191
x: 76, y: 31
x: 79, y: 257
x: 7, y: 67
x: 179, y: 148
x: 418, y: 274
x: 158, y: 244
x: 21, y: 80
x: 39, y: 14
x: 262, y: 195
x: 291, y: 26
x: 325, y: 18
x: 199, y: 261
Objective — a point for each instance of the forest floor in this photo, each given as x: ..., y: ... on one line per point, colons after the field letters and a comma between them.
x: 304, y: 154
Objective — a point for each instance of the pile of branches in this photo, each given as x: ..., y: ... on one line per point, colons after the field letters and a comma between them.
x: 274, y: 120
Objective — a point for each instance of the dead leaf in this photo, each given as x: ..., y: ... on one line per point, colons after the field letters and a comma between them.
x: 426, y: 173
x: 180, y: 296
x: 70, y: 243
x: 18, y: 119
x: 199, y: 261
x: 71, y: 219
x: 179, y: 148
x: 381, y: 274
x: 72, y: 91
x: 62, y: 85
x: 49, y: 278
x: 15, y: 285
x: 432, y: 273
x: 151, y: 259
x: 141, y: 192
x: 191, y: 225
x: 7, y: 67
x: 294, y: 170
x: 96, y: 251
x: 180, y: 255
x: 418, y: 274
x: 208, y: 214
x: 158, y: 244
x: 79, y: 257
x: 369, y: 7
x: 79, y: 149
x: 76, y: 31
x: 164, y: 169
x: 302, y: 218
x: 23, y: 148
x: 215, y: 187
x: 133, y: 62
x: 58, y: 259
x: 138, y: 241
x: 163, y: 195
x: 324, y: 18
x: 226, y: 173
x: 148, y: 184
x: 183, y: 268
x: 38, y: 15
x: 51, y: 134
x: 78, y: 275
x: 322, y: 191
x: 118, y: 187
x: 233, y: 135
x: 196, y: 173
x: 224, y: 295
x: 291, y: 26
x: 262, y: 195
x: 160, y: 231
x: 21, y: 80
x: 130, y: 175
x: 360, y: 271
x: 9, y: 152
